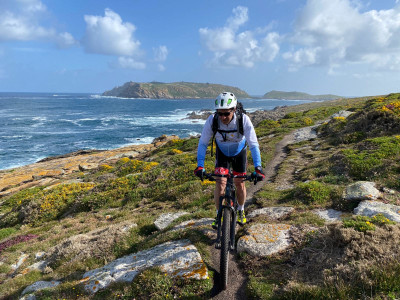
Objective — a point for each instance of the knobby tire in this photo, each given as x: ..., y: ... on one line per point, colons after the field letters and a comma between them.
x: 225, y: 237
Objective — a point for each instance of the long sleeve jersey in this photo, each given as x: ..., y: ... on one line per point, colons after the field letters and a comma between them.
x: 229, y: 143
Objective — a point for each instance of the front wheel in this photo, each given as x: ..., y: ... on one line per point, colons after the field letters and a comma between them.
x: 225, y: 238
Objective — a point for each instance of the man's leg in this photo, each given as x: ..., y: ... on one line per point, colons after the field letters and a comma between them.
x: 241, y: 198
x: 240, y: 190
x: 219, y: 191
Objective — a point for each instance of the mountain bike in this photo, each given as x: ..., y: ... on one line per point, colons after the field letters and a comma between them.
x: 226, y: 220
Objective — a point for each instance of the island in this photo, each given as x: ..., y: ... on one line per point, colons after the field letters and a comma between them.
x: 174, y: 90
x: 298, y: 96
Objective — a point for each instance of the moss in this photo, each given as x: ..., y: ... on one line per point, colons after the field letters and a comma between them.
x: 6, y: 232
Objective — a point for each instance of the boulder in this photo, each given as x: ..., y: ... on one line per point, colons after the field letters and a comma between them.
x: 265, y: 239
x: 20, y: 261
x: 305, y: 134
x: 204, y: 225
x: 28, y: 297
x: 40, y: 285
x: 329, y: 215
x: 164, y: 138
x: 372, y: 208
x: 166, y: 219
x: 39, y: 266
x: 272, y: 212
x: 87, y: 166
x: 361, y: 190
x: 129, y: 154
x: 194, y: 223
x: 342, y: 113
x: 177, y: 259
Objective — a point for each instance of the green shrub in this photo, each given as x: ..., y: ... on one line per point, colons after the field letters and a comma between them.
x: 313, y: 192
x: 364, y: 223
x: 307, y: 121
x: 373, y: 157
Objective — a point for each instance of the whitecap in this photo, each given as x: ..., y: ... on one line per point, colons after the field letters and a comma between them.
x: 139, y: 141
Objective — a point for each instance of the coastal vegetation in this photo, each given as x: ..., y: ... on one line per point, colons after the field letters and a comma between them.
x: 354, y: 259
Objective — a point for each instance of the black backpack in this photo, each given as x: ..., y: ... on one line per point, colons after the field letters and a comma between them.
x: 239, y: 116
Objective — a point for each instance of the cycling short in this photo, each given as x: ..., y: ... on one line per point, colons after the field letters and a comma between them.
x: 238, y: 162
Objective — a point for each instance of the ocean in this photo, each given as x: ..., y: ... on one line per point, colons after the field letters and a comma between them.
x: 36, y: 125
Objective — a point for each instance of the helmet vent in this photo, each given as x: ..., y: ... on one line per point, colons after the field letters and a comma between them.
x: 222, y: 102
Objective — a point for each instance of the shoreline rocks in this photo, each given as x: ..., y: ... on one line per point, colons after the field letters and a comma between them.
x: 53, y: 169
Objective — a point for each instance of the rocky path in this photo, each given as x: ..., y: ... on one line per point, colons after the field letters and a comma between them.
x: 237, y: 280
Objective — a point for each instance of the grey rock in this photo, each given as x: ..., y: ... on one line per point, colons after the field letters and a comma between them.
x: 361, y: 190
x: 39, y: 266
x: 389, y: 191
x: 265, y: 239
x: 204, y: 225
x: 330, y: 215
x: 129, y: 154
x: 194, y: 223
x: 371, y: 208
x: 178, y: 259
x: 40, y: 255
x: 40, y: 285
x: 28, y: 297
x: 20, y: 261
x: 304, y: 134
x: 342, y: 113
x: 164, y: 220
x: 272, y: 212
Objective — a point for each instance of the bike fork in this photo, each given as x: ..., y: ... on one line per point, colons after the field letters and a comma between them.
x: 233, y: 225
x: 219, y: 216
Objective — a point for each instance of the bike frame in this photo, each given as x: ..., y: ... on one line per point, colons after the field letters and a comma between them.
x: 229, y: 201
x: 227, y: 208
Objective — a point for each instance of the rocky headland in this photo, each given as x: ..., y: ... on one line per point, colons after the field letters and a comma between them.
x: 175, y: 90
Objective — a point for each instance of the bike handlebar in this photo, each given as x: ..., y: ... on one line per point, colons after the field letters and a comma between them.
x: 210, y: 176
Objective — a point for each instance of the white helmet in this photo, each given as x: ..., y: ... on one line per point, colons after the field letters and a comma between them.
x: 225, y: 100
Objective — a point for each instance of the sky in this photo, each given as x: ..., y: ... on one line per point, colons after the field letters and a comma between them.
x: 343, y: 47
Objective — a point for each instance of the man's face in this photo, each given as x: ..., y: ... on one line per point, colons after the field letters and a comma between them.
x: 225, y: 115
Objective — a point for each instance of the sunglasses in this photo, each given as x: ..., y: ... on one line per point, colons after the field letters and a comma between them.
x: 225, y: 114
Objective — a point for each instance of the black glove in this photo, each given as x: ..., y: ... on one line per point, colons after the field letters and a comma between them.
x: 258, y: 174
x: 199, y: 172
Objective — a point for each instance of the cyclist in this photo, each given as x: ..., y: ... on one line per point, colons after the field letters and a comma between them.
x: 231, y: 146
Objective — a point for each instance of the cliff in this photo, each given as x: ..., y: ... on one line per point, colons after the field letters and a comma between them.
x: 175, y: 90
x: 298, y: 95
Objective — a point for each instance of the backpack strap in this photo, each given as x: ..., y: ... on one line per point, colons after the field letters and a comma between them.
x: 214, y: 129
x: 239, y: 117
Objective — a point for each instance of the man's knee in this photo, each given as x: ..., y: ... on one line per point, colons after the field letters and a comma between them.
x: 240, y: 186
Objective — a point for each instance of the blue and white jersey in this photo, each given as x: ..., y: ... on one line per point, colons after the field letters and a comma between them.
x: 230, y: 143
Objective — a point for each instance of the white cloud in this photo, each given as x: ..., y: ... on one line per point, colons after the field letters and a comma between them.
x: 232, y: 48
x: 109, y: 35
x: 161, y: 67
x: 336, y: 32
x: 160, y: 53
x: 20, y: 20
x: 129, y: 63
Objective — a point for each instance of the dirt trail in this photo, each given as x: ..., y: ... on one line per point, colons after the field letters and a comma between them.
x: 237, y: 280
